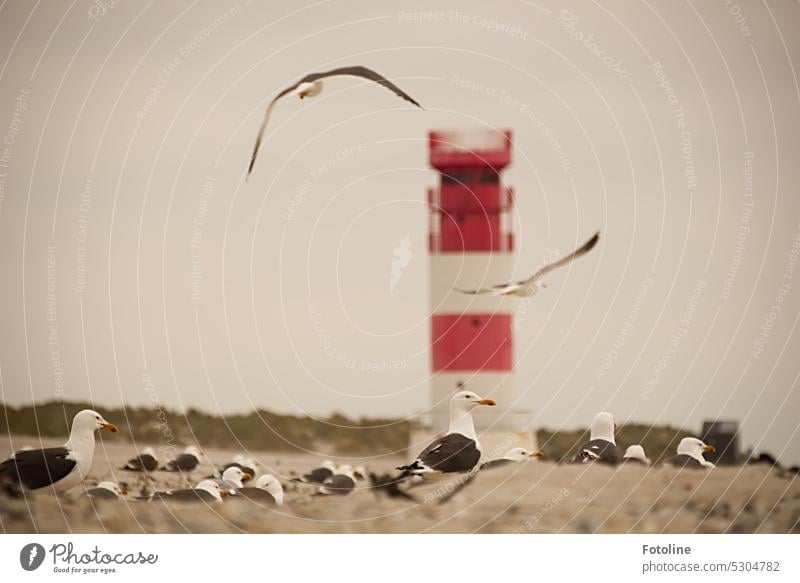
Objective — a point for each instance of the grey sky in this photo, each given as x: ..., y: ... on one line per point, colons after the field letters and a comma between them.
x: 146, y: 114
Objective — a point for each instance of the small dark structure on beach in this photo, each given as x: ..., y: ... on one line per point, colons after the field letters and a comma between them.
x: 724, y: 435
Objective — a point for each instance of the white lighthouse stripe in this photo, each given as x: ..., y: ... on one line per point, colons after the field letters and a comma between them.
x: 449, y: 269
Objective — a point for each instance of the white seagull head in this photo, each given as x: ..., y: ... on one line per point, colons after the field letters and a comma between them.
x: 88, y: 421
x: 520, y: 454
x: 636, y: 452
x: 467, y: 400
x: 212, y: 488
x: 309, y: 89
x: 603, y: 427
x: 695, y: 448
x: 149, y: 451
x: 272, y: 486
x: 193, y: 450
x: 235, y: 475
x: 328, y: 464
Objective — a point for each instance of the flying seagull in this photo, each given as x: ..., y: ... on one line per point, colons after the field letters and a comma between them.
x: 311, y: 86
x: 528, y: 287
x: 62, y: 467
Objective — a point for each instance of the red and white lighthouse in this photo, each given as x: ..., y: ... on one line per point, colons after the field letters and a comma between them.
x: 472, y: 245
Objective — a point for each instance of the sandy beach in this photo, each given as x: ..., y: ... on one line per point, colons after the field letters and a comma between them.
x: 537, y: 497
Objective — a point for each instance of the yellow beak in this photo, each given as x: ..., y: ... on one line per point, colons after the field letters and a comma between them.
x: 488, y: 402
x: 709, y: 448
x: 537, y: 453
x: 110, y: 426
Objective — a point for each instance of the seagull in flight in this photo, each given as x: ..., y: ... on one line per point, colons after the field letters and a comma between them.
x: 528, y: 287
x: 311, y: 86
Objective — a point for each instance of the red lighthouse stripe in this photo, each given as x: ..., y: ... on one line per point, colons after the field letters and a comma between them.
x: 472, y: 342
x: 472, y: 232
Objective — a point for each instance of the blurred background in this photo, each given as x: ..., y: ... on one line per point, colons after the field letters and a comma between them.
x: 140, y: 269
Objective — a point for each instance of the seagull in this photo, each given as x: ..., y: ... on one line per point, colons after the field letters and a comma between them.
x: 635, y: 454
x: 311, y: 86
x: 512, y: 456
x: 62, y: 467
x: 318, y: 475
x: 232, y: 479
x: 246, y: 464
x: 205, y: 491
x: 601, y: 446
x: 459, y: 449
x: 342, y: 482
x: 105, y: 490
x: 267, y: 489
x: 690, y: 454
x: 185, y: 462
x: 144, y: 462
x: 528, y: 287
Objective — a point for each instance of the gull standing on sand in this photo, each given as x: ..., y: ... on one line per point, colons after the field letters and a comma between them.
x: 528, y: 287
x: 459, y: 450
x: 601, y: 447
x: 62, y: 467
x: 690, y: 454
x: 311, y: 86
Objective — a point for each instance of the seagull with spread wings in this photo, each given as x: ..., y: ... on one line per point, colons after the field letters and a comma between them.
x: 311, y: 86
x: 528, y: 287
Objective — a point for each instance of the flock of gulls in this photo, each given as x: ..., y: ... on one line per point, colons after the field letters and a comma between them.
x: 457, y: 451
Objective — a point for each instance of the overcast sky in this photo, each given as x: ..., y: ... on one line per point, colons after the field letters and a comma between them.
x: 139, y: 267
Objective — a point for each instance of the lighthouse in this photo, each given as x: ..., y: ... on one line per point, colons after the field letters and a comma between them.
x: 471, y: 244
